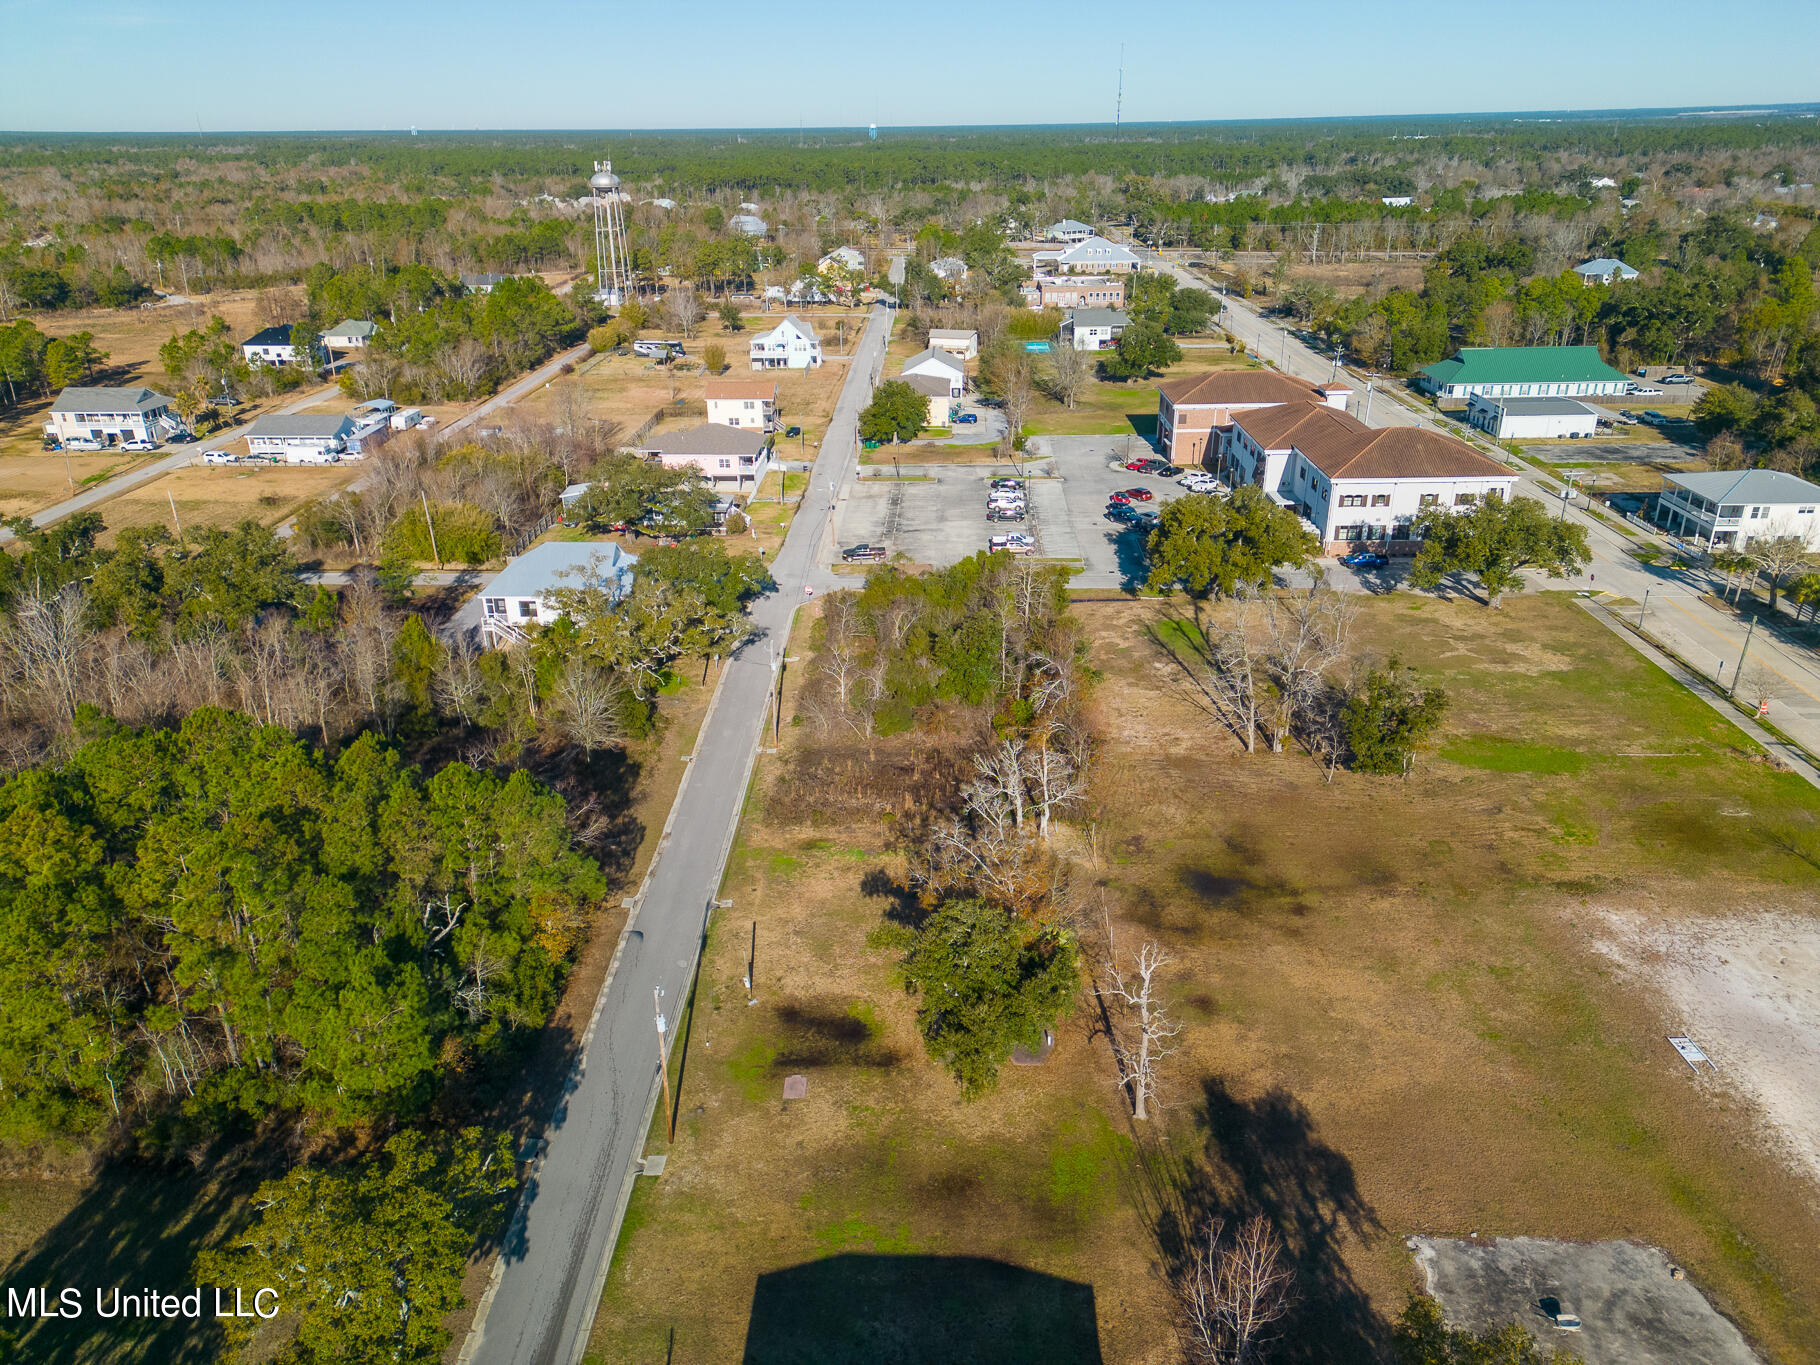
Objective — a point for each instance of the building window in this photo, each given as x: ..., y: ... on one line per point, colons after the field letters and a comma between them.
x: 1804, y: 511
x: 1431, y: 500
x: 527, y: 611
x: 1380, y: 499
x: 496, y: 606
x: 1756, y: 513
x: 1465, y: 499
x: 1352, y: 500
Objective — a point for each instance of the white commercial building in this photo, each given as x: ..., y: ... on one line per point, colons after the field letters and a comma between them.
x: 1094, y: 256
x: 791, y: 345
x: 1531, y: 419
x: 1360, y: 487
x: 1735, y: 507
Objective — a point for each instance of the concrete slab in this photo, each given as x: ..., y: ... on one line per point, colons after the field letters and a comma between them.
x: 1633, y: 1310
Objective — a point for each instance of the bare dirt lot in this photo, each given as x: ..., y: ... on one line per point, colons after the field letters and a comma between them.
x: 1632, y: 1309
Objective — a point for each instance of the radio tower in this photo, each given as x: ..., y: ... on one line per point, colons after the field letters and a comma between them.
x: 613, y: 263
x: 1118, y: 106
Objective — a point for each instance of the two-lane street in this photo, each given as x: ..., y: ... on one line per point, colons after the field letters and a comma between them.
x: 541, y: 1304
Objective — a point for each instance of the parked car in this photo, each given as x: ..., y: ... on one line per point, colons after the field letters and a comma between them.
x: 218, y: 457
x: 139, y: 445
x: 1654, y: 418
x: 863, y: 554
x: 966, y: 419
x: 84, y: 443
x: 793, y: 431
x: 1645, y: 391
x: 1017, y: 543
x: 1138, y: 494
x: 1626, y: 418
x: 1162, y: 469
x: 1197, y: 481
x: 1119, y: 499
x: 1004, y: 514
x: 1677, y: 379
x: 1143, y: 520
x: 1120, y: 511
x: 658, y: 350
x: 1138, y: 466
x: 1017, y: 484
x: 1365, y: 559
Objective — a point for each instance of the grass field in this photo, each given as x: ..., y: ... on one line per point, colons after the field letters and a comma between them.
x: 1120, y: 409
x: 223, y: 495
x: 1394, y: 1024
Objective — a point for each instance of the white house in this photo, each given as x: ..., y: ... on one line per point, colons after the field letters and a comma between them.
x: 1603, y: 182
x: 1603, y: 271
x: 301, y: 437
x: 748, y: 404
x: 1094, y: 256
x: 1094, y: 329
x: 846, y: 257
x: 791, y: 345
x: 1396, y: 201
x: 270, y: 346
x: 1069, y: 230
x: 350, y: 334
x: 938, y: 364
x: 1531, y: 419
x: 1522, y: 372
x: 1735, y: 507
x: 519, y: 595
x: 112, y: 414
x: 936, y: 391
x: 483, y: 283
x: 727, y: 457
x: 749, y: 223
x: 949, y: 268
x: 1360, y: 487
x: 961, y: 343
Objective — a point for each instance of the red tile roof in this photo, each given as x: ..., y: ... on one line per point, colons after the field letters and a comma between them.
x: 1342, y: 447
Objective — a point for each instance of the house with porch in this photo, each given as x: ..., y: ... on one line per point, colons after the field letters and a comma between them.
x: 1731, y: 508
x: 1360, y: 487
x: 1094, y: 329
x: 1091, y: 256
x: 520, y: 596
x: 1603, y: 271
x: 791, y: 345
x: 748, y: 404
x: 1069, y: 230
x: 109, y: 415
x: 730, y: 459
x: 302, y: 437
x: 350, y: 334
x: 1193, y: 410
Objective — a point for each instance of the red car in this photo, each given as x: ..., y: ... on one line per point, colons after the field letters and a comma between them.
x: 1138, y: 465
x: 1138, y: 494
x: 1118, y: 500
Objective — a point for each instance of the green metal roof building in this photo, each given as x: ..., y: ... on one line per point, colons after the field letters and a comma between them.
x: 1523, y: 372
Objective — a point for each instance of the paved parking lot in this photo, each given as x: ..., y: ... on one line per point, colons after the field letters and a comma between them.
x: 1112, y: 555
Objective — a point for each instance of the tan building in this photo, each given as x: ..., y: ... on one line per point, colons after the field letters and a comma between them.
x: 1078, y: 291
x: 935, y: 390
x: 1189, y: 410
x: 748, y: 404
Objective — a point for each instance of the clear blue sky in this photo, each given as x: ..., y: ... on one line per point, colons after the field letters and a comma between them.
x: 339, y: 64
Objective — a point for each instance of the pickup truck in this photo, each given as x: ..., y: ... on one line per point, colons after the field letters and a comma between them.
x: 863, y: 554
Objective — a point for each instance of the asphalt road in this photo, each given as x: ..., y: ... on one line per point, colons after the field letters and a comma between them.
x: 541, y: 1304
x: 177, y: 459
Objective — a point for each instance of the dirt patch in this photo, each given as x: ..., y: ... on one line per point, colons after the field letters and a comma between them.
x: 1746, y: 988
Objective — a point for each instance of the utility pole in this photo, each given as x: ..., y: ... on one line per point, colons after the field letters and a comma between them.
x: 1743, y: 654
x: 752, y: 966
x: 174, y: 520
x: 1643, y: 610
x: 430, y: 522
x: 663, y: 1061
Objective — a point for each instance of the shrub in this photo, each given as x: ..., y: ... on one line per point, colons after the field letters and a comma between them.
x: 464, y: 535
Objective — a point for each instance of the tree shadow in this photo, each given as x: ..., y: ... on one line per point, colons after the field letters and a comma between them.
x: 901, y: 904
x: 907, y: 1310
x: 1263, y: 1156
x: 136, y: 1228
x: 1130, y: 551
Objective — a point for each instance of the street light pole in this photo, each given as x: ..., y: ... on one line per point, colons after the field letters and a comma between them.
x: 1738, y: 672
x: 663, y: 1061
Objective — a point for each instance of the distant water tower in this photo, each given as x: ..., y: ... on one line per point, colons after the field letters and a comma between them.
x: 872, y: 132
x: 613, y: 263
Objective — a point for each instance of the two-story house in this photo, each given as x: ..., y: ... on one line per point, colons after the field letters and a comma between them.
x: 270, y: 346
x: 730, y: 459
x: 1734, y: 507
x: 302, y: 437
x: 106, y: 415
x: 791, y: 345
x: 749, y: 404
x: 522, y: 594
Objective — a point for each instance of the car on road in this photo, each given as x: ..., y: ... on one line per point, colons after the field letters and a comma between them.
x: 1138, y: 494
x: 182, y: 438
x: 1645, y: 391
x: 1365, y: 559
x: 863, y: 554
x: 1017, y: 543
x: 1677, y: 379
x: 139, y: 445
x: 967, y: 419
x: 84, y: 443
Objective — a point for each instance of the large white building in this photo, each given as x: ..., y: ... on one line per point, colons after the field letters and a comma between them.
x: 791, y: 345
x: 1523, y: 372
x: 1360, y: 487
x: 1735, y: 507
x: 113, y: 414
x: 520, y: 595
x: 1531, y: 419
x: 1094, y: 256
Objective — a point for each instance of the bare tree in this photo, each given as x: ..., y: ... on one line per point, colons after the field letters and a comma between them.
x: 1014, y: 401
x: 587, y: 708
x: 1147, y: 1041
x: 682, y: 309
x: 458, y: 686
x: 43, y: 646
x: 1055, y: 768
x: 843, y: 653
x: 1232, y: 1294
x: 1069, y: 373
x: 1778, y: 558
x: 1237, y: 675
x: 1000, y: 778
x: 1307, y: 637
x: 465, y: 364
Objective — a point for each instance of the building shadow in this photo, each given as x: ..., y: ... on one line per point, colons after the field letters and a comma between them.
x: 920, y: 1310
x: 1264, y: 1156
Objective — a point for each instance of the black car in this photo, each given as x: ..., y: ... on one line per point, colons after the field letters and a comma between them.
x: 1162, y: 469
x: 1121, y: 511
x: 1017, y: 484
x: 793, y: 431
x: 863, y: 554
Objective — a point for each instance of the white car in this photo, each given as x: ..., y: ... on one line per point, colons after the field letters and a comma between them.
x: 139, y: 445
x: 83, y: 443
x: 1017, y: 544
x: 1200, y: 483
x: 1645, y: 391
x: 220, y: 457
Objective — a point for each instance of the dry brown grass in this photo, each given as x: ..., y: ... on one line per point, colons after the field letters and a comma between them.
x: 1394, y: 1021
x: 223, y: 495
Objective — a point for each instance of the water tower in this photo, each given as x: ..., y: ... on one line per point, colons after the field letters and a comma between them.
x: 613, y: 263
